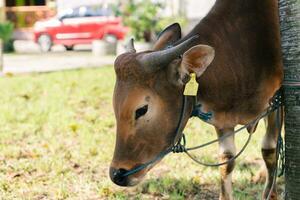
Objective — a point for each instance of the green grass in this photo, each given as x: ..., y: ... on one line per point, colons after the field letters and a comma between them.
x: 57, y: 133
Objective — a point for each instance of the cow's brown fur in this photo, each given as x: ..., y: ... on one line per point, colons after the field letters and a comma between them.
x: 245, y: 35
x: 236, y: 87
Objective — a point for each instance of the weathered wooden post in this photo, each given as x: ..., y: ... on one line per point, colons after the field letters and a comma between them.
x: 290, y: 34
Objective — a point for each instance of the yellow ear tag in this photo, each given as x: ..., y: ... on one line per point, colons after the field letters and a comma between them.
x: 191, y: 88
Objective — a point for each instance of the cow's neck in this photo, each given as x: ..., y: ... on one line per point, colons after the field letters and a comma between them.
x: 245, y: 35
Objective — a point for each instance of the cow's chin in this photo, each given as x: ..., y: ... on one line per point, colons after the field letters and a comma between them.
x: 133, y: 181
x: 139, y: 177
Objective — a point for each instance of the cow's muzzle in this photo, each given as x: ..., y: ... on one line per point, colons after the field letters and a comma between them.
x: 117, y: 176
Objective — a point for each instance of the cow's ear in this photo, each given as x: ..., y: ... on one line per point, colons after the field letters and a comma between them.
x: 198, y: 58
x: 168, y: 37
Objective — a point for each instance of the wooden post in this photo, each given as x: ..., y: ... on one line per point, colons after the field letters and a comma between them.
x: 290, y: 37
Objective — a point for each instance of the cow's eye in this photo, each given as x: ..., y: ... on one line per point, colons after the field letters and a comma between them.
x: 141, y: 111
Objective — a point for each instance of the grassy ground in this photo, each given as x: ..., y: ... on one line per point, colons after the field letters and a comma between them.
x: 57, y: 139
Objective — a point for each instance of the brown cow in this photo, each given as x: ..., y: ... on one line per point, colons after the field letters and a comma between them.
x: 237, y: 78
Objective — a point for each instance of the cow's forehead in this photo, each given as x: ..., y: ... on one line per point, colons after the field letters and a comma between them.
x: 128, y: 68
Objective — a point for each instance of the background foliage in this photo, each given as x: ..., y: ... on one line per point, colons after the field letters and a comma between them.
x: 141, y: 17
x: 6, y: 31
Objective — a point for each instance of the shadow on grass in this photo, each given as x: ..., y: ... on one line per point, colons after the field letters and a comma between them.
x: 180, y: 189
x: 168, y: 188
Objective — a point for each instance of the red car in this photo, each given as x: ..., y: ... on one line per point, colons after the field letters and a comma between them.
x: 78, y: 26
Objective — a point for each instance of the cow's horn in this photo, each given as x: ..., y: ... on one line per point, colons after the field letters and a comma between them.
x: 130, y: 46
x: 155, y: 60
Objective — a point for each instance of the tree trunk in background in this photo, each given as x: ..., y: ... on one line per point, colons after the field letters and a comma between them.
x: 290, y: 37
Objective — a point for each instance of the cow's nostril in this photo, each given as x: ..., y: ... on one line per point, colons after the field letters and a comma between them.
x: 117, y: 177
x: 120, y: 172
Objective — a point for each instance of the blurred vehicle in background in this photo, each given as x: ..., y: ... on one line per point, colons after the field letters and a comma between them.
x: 81, y: 25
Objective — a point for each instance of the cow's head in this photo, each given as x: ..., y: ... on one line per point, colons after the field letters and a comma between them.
x: 148, y: 99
